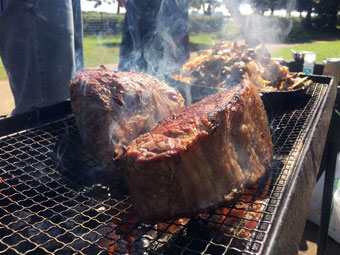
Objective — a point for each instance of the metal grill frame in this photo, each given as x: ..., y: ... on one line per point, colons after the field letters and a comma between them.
x: 287, y: 228
x: 89, y: 195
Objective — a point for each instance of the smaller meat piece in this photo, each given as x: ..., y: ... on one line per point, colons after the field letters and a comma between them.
x: 112, y: 108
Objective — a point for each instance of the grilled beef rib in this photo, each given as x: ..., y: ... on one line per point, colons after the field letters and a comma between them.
x: 112, y: 108
x: 201, y: 157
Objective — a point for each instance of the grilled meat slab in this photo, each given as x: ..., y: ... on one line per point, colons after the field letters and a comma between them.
x: 112, y: 108
x: 201, y: 157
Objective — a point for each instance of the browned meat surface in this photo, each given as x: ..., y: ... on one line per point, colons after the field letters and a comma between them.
x: 226, y: 64
x: 200, y: 157
x: 112, y: 108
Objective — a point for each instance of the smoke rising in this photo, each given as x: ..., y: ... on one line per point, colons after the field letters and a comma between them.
x: 258, y: 29
x: 156, y: 33
x: 156, y: 37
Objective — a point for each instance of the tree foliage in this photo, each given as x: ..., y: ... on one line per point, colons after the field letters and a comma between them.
x: 208, y: 6
x: 326, y: 10
x: 304, y: 5
x: 327, y: 13
x: 100, y: 2
x: 197, y: 4
x: 261, y: 6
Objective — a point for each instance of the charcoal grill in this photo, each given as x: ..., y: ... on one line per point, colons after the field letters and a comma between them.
x: 55, y: 198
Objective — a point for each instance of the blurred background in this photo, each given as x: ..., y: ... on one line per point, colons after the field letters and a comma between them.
x: 283, y: 26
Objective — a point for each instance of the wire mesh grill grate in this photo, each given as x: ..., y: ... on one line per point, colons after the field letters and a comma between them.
x: 55, y: 198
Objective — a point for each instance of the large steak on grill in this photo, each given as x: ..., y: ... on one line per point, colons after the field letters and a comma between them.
x: 112, y: 108
x: 201, y: 157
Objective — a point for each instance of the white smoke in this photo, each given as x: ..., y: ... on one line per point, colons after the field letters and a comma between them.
x: 258, y: 28
x: 162, y: 51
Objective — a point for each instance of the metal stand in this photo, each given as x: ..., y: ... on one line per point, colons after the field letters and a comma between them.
x: 328, y: 163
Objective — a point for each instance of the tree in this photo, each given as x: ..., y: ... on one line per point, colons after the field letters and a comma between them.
x: 288, y: 5
x: 327, y: 11
x: 306, y: 5
x: 233, y: 8
x: 99, y: 2
x: 212, y: 5
x: 273, y: 5
x: 197, y: 4
x: 261, y: 6
x: 208, y: 6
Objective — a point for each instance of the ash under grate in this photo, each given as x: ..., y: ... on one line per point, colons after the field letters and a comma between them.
x: 55, y: 198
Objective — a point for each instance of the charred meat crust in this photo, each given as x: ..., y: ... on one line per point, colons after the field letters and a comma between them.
x: 112, y: 108
x: 201, y: 157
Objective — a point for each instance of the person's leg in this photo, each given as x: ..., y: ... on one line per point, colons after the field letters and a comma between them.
x: 78, y: 35
x: 130, y: 53
x: 166, y: 42
x: 173, y: 31
x: 36, y: 47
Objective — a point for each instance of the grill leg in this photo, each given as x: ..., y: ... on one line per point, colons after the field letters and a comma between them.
x: 330, y: 158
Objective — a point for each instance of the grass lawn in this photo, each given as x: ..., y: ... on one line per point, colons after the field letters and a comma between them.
x: 105, y: 50
x: 323, y: 50
x: 99, y: 51
x: 206, y: 39
x: 3, y: 74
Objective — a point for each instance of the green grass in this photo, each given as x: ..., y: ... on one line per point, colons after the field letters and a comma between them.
x: 323, y: 50
x: 3, y: 74
x: 99, y: 51
x: 105, y: 50
x: 206, y: 39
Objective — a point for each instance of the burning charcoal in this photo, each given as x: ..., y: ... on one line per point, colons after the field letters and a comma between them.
x: 140, y: 245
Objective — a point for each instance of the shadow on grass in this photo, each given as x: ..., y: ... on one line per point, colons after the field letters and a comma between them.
x: 110, y: 44
x: 198, y: 46
x: 312, y: 35
x: 325, y: 34
x: 192, y: 46
x: 308, y: 35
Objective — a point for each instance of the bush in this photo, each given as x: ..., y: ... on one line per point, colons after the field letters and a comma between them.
x: 230, y: 32
x: 95, y: 23
x: 206, y: 24
x: 267, y: 29
x: 298, y: 34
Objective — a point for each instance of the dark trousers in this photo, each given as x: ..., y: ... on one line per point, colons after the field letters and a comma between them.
x: 155, y: 36
x: 39, y: 44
